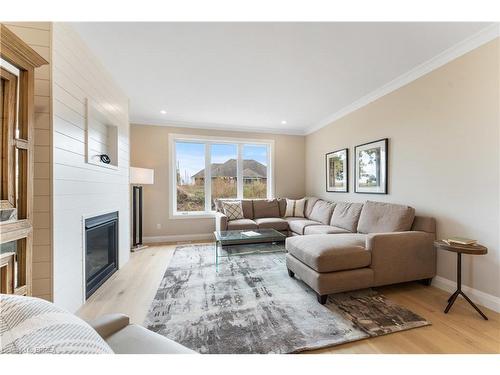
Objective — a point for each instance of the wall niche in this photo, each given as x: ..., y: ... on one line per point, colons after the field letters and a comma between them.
x: 101, y: 137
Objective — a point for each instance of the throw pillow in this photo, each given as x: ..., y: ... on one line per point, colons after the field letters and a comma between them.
x: 233, y: 210
x: 295, y: 208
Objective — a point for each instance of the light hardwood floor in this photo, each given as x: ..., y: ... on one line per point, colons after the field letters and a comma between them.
x: 462, y: 330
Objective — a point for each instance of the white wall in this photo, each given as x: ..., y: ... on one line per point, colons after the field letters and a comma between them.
x: 82, y: 189
x: 443, y: 132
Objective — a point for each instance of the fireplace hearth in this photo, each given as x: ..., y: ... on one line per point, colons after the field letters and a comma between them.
x: 101, y: 250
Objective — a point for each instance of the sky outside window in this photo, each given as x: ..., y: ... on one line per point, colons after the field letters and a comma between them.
x: 255, y: 152
x: 190, y: 158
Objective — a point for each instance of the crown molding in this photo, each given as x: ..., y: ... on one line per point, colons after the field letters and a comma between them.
x: 216, y: 126
x: 483, y: 36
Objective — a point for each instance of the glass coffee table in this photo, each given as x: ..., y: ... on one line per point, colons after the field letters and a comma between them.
x: 230, y: 243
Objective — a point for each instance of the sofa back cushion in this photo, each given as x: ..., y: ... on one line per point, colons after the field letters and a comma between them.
x: 246, y: 205
x: 322, y: 211
x: 265, y: 208
x: 378, y: 217
x: 34, y: 326
x: 310, y: 202
x: 346, y: 216
x: 424, y: 224
x: 282, y: 206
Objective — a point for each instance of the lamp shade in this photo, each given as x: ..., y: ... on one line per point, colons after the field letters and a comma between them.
x: 142, y: 176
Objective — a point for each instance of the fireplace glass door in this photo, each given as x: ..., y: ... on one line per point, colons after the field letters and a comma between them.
x: 101, y: 248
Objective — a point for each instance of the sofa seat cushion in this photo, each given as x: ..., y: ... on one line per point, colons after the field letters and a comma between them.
x: 330, y: 252
x: 298, y: 224
x: 135, y: 339
x: 241, y: 224
x: 378, y: 217
x: 272, y: 222
x: 324, y: 229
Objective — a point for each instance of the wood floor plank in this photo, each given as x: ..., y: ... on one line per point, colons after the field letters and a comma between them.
x: 132, y: 289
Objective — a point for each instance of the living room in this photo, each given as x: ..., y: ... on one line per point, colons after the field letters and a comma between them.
x: 250, y: 187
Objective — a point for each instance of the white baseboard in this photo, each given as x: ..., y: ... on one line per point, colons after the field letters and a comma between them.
x: 178, y: 238
x: 481, y: 298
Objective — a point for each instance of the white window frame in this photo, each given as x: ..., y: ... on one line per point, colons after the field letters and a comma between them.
x: 209, y: 141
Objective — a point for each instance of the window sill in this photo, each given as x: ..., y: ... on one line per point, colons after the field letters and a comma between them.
x: 192, y: 215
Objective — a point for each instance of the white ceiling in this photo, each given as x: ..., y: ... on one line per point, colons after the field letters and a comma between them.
x: 252, y: 76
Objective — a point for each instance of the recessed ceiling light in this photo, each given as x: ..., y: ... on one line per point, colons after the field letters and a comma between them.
x: 283, y: 122
x: 163, y: 112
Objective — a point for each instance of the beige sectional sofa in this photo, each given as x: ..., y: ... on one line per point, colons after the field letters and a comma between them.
x: 342, y: 246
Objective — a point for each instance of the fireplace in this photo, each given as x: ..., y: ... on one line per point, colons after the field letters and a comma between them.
x: 101, y: 250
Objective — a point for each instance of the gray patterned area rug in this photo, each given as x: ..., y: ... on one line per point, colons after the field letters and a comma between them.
x: 252, y: 306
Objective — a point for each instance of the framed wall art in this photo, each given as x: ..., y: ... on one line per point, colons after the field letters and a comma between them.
x: 371, y: 167
x: 337, y: 171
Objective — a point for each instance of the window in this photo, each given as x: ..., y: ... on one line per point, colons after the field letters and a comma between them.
x: 207, y: 169
x: 254, y: 171
x: 190, y: 168
x: 224, y: 171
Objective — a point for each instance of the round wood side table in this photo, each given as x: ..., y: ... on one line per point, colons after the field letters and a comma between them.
x: 461, y: 249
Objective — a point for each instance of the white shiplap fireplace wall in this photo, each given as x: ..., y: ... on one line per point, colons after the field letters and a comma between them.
x: 81, y: 189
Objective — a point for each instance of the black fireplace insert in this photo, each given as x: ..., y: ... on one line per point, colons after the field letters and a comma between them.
x: 101, y: 250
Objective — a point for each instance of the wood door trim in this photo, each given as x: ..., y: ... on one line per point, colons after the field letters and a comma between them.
x: 7, y: 272
x: 17, y: 52
x: 15, y: 231
x: 14, y: 50
x: 9, y: 116
x: 22, y: 144
x: 22, y: 291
